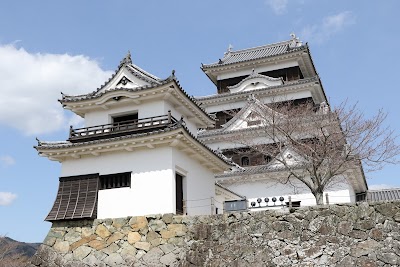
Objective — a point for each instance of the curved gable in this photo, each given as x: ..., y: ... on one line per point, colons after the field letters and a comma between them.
x: 255, y: 81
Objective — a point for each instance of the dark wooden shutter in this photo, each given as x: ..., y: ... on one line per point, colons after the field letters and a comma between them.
x: 76, y: 198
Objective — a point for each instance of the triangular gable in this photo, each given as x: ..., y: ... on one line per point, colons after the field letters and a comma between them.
x: 255, y: 81
x: 289, y: 156
x: 129, y: 76
x: 254, y: 114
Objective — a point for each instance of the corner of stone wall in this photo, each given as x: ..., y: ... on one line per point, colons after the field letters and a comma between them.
x: 155, y: 240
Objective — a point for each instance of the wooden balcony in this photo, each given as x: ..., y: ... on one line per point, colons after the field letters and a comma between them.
x: 120, y: 129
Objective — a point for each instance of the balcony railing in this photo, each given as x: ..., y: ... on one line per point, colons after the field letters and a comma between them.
x: 120, y: 128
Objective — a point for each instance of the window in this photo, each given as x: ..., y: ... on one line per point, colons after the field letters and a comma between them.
x: 116, y: 180
x: 267, y: 158
x: 125, y: 119
x: 245, y: 161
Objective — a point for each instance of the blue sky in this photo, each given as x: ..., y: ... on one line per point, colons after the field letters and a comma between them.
x: 73, y: 46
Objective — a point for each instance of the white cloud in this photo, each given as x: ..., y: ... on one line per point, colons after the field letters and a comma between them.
x: 278, y: 6
x: 7, y: 161
x: 380, y: 186
x: 6, y: 198
x: 330, y: 25
x: 30, y: 84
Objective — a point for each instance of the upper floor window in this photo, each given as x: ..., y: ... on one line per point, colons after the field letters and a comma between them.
x: 267, y: 158
x: 129, y: 118
x: 245, y: 161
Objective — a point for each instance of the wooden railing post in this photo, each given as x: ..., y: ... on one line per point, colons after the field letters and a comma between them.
x: 290, y: 202
x: 71, y: 130
x: 169, y: 116
x: 327, y: 198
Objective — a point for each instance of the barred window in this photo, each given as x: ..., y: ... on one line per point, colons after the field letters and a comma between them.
x: 115, y: 180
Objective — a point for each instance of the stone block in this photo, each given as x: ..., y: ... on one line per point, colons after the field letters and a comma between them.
x: 152, y: 257
x: 166, y: 234
x: 114, y: 237
x: 157, y: 225
x: 49, y: 241
x: 389, y: 258
x: 345, y: 227
x: 82, y: 242
x: 97, y: 244
x: 364, y: 248
x: 102, y: 231
x: 134, y: 237
x: 81, y: 252
x: 179, y: 229
x: 119, y: 222
x: 110, y: 249
x: 167, y: 218
x: 87, y: 231
x: 143, y: 246
x: 61, y: 246
x: 138, y: 223
x: 114, y: 259
x: 168, y: 259
x: 72, y: 236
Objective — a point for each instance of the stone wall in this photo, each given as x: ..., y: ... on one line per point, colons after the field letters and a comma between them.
x: 337, y: 235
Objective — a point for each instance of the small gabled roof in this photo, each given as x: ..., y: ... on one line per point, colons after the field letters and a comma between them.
x: 149, y: 79
x: 253, y: 105
x: 259, y: 52
x: 119, y: 84
x: 264, y: 91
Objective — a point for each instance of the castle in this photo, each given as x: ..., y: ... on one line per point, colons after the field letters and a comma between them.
x: 147, y: 147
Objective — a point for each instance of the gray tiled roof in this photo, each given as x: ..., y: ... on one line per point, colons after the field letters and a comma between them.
x: 259, y: 52
x: 254, y: 170
x: 259, y: 91
x: 178, y: 125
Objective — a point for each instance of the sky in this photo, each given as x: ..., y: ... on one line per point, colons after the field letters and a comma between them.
x: 49, y: 47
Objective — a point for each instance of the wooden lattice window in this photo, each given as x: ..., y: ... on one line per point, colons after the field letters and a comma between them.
x: 115, y: 180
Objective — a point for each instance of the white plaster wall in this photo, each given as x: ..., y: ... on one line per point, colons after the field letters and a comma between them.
x: 177, y: 115
x: 144, y: 110
x: 199, y: 183
x: 152, y: 185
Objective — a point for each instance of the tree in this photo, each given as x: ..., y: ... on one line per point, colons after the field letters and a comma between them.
x: 324, y: 144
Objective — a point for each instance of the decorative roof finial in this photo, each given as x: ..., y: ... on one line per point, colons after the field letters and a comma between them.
x: 229, y: 50
x: 295, y: 41
x: 173, y: 74
x: 39, y: 143
x: 127, y: 59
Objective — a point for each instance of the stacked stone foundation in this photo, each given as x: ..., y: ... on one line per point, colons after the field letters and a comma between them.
x: 336, y: 235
